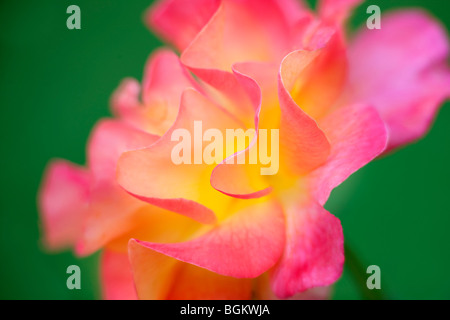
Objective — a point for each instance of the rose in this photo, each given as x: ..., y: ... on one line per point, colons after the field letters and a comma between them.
x: 225, y: 231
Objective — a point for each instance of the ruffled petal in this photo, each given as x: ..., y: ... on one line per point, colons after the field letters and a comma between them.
x: 240, y: 31
x: 316, y: 79
x: 314, y: 253
x: 156, y: 221
x: 109, y: 139
x: 152, y: 175
x: 111, y: 213
x: 357, y: 135
x: 110, y: 208
x: 154, y: 107
x: 303, y: 145
x: 239, y: 247
x: 179, y: 21
x: 240, y: 174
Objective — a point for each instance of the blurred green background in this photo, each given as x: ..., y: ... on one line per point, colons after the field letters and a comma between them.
x: 56, y: 83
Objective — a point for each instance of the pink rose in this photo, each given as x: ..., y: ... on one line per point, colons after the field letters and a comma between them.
x: 321, y: 105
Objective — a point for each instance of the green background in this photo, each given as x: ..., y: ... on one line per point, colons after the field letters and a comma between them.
x: 56, y: 83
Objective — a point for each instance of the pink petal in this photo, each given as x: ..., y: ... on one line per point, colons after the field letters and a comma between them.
x: 357, y: 135
x: 263, y: 291
x: 63, y: 199
x: 249, y: 30
x: 156, y: 221
x: 153, y: 272
x: 151, y: 175
x: 165, y: 78
x: 314, y: 253
x: 111, y: 208
x: 117, y: 277
x: 303, y: 145
x: 259, y: 80
x: 239, y: 247
x: 179, y: 21
x: 111, y: 214
x: 173, y: 19
x: 186, y: 207
x: 316, y: 79
x: 161, y: 277
x: 164, y: 81
x: 109, y: 139
x: 244, y: 180
x: 194, y: 283
x: 125, y: 100
x: 228, y: 92
x: 400, y: 69
x: 240, y: 31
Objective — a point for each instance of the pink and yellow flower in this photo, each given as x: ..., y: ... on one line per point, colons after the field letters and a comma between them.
x: 224, y: 231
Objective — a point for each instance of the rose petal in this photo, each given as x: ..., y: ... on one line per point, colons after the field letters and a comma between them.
x: 250, y: 30
x: 152, y: 272
x: 174, y: 20
x: 239, y: 247
x: 263, y: 291
x: 151, y: 175
x: 111, y: 213
x: 117, y: 278
x: 179, y: 21
x: 164, y: 81
x: 125, y: 100
x: 357, y: 135
x: 194, y: 283
x: 315, y: 82
x: 303, y: 145
x: 111, y: 208
x: 234, y: 177
x: 239, y: 31
x: 63, y: 199
x: 156, y: 221
x: 400, y: 69
x: 160, y: 277
x: 314, y: 253
x: 110, y: 138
